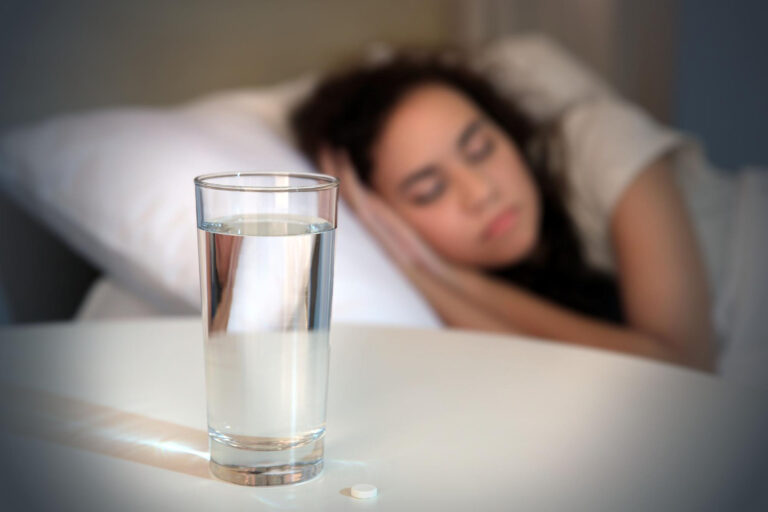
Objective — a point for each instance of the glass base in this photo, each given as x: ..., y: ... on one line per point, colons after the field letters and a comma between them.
x: 267, y: 467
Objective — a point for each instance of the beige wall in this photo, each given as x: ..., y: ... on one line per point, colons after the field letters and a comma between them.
x: 629, y: 42
x: 63, y: 56
x: 60, y: 56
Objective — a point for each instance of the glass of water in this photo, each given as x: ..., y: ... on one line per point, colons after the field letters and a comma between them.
x: 266, y: 247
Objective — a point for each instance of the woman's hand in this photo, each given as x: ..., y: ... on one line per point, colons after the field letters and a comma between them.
x: 399, y: 239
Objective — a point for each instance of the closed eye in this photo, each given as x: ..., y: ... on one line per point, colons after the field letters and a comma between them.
x: 434, y: 192
x: 481, y: 151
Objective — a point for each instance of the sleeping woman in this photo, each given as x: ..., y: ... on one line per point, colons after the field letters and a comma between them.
x: 457, y: 185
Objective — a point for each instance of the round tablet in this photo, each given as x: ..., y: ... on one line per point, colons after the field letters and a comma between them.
x: 363, y: 491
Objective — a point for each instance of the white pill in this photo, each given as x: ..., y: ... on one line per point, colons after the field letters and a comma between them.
x: 363, y: 491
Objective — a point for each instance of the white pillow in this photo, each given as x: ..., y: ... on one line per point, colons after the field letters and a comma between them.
x: 117, y: 186
x: 541, y: 76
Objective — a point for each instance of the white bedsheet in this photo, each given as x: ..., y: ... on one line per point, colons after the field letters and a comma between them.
x: 742, y: 308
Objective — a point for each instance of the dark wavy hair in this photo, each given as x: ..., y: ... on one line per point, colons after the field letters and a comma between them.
x: 348, y: 110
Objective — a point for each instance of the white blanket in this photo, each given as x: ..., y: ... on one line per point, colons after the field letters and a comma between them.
x: 742, y: 308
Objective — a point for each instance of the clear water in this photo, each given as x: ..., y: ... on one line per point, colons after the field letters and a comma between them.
x: 266, y: 308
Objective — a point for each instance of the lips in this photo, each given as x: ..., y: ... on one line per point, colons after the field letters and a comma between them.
x: 502, y: 223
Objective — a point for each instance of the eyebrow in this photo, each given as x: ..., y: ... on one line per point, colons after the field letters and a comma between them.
x: 431, y: 170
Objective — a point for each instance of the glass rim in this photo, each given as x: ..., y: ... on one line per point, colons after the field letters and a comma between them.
x: 322, y: 182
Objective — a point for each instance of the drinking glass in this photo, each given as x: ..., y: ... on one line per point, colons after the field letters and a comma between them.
x: 266, y: 248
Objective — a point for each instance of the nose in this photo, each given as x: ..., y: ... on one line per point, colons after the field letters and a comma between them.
x: 476, y: 188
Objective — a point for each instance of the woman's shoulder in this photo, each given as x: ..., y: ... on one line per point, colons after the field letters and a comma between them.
x: 600, y: 145
x: 604, y: 142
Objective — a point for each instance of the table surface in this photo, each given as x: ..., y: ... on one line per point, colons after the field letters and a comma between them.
x: 111, y: 416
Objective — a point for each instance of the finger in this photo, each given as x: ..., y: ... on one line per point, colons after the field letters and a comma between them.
x: 399, y: 232
x: 347, y: 169
x: 352, y: 190
x: 348, y: 192
x: 331, y: 162
x: 344, y: 163
x: 384, y: 213
x: 400, y: 235
x: 325, y: 160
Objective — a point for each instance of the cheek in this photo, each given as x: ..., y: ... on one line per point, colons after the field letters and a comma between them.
x: 511, y: 174
x: 430, y: 223
x: 449, y: 232
x: 516, y: 184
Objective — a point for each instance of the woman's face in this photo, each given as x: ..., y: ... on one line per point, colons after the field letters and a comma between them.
x: 457, y: 178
